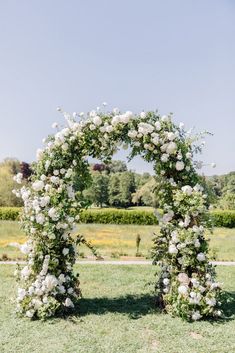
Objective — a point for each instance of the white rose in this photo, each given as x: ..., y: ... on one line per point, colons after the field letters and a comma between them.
x: 26, y: 248
x: 165, y: 118
x: 179, y: 165
x: 166, y: 281
x: 29, y: 313
x: 44, y: 201
x: 171, y: 136
x: 164, y: 157
x: 142, y: 115
x: 40, y: 218
x: 172, y: 249
x: 201, y: 257
x: 39, y: 154
x: 196, y: 315
x: 97, y: 120
x: 187, y: 189
x: 182, y: 289
x: 158, y: 125
x: 38, y: 185
x: 52, y: 213
x: 171, y: 148
x: 50, y: 282
x: 211, y: 302
x: 69, y: 303
x: 65, y: 251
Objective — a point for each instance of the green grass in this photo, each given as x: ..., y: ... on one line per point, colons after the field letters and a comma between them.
x: 118, y: 240
x: 115, y: 315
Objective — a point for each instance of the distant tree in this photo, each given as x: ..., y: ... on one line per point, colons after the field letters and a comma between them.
x: 127, y: 188
x: 227, y: 202
x: 25, y: 170
x: 117, y: 167
x: 8, y: 168
x: 114, y: 190
x: 97, y: 193
x: 99, y: 167
x: 145, y: 195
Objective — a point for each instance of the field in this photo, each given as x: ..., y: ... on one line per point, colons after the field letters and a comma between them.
x: 115, y: 315
x: 117, y: 241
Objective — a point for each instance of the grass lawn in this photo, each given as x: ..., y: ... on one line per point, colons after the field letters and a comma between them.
x: 115, y: 315
x: 114, y: 241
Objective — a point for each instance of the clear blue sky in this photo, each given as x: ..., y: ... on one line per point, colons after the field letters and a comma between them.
x: 174, y: 55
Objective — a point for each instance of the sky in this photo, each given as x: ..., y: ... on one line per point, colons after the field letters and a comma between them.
x: 173, y: 55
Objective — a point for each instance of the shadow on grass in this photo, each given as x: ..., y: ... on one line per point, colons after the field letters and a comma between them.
x: 228, y: 304
x: 136, y: 306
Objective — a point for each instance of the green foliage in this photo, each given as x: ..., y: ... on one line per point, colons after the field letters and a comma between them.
x: 220, y: 218
x: 98, y: 191
x: 9, y: 213
x: 114, y: 216
x: 8, y: 168
x: 223, y: 218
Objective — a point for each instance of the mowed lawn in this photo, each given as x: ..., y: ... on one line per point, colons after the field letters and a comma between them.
x: 116, y: 241
x: 116, y: 315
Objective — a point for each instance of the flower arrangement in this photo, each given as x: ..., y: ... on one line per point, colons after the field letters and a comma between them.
x: 186, y: 285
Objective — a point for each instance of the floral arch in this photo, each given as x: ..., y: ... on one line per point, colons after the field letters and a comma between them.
x: 185, y: 286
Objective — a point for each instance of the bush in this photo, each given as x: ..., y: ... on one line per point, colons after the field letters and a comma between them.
x: 9, y: 213
x: 115, y: 216
x: 220, y: 218
x: 223, y: 218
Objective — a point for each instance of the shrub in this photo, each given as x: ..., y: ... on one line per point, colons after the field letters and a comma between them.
x: 220, y: 218
x: 118, y: 217
x: 223, y: 218
x: 9, y: 213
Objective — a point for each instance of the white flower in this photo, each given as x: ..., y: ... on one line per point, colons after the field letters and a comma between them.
x: 197, y: 243
x: 97, y: 120
x: 171, y: 136
x: 164, y: 157
x: 38, y: 185
x: 69, y: 173
x: 104, y: 104
x: 39, y: 154
x: 158, y: 125
x: 183, y: 289
x: 166, y: 281
x: 40, y: 218
x: 29, y: 313
x: 187, y: 189
x: 172, y: 249
x: 167, y: 217
x: 196, y: 315
x: 165, y: 118
x: 132, y: 133
x: 61, y: 278
x: 179, y: 165
x: 25, y: 272
x: 18, y: 178
x: 52, y: 213
x: 183, y: 278
x: 171, y: 147
x: 198, y: 188
x: 142, y: 115
x: 21, y: 293
x: 54, y: 125
x: 213, y: 165
x: 65, y: 251
x: 26, y: 248
x: 211, y: 301
x: 50, y: 282
x: 201, y: 257
x: 69, y: 303
x: 44, y: 201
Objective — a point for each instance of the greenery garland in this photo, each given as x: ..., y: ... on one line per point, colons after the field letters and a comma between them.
x: 186, y: 286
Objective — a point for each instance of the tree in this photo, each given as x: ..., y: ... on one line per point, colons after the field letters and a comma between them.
x: 7, y: 170
x: 117, y: 167
x: 127, y: 188
x: 98, y: 191
x: 114, y: 190
x: 145, y: 194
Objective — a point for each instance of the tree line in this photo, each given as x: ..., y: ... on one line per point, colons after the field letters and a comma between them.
x: 113, y: 185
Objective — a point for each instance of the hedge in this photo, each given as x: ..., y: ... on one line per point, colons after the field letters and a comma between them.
x: 220, y: 218
x: 9, y: 213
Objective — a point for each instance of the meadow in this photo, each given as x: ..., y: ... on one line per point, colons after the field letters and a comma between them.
x: 116, y: 314
x: 116, y: 241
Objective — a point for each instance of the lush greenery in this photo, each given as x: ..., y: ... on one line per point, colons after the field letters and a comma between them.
x: 116, y: 315
x: 134, y: 215
x: 116, y: 241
